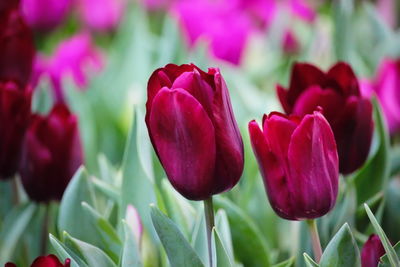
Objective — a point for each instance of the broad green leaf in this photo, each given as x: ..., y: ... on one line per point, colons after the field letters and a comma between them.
x: 79, y: 190
x: 220, y: 255
x: 106, y: 188
x: 92, y: 255
x: 179, y: 251
x: 309, y: 261
x: 384, y: 261
x: 224, y: 231
x: 199, y: 236
x: 12, y: 229
x: 372, y: 177
x: 287, y: 263
x: 64, y: 253
x: 395, y: 160
x: 343, y: 43
x: 249, y: 245
x: 391, y: 217
x: 342, y: 250
x: 391, y: 253
x: 130, y: 256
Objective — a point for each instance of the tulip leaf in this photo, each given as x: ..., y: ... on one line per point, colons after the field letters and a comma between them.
x: 249, y: 245
x: 220, y: 255
x: 343, y: 10
x: 130, y: 256
x: 395, y: 160
x: 106, y: 188
x: 391, y: 253
x: 65, y: 253
x: 287, y: 263
x: 371, y: 178
x: 309, y: 261
x: 224, y: 231
x: 384, y: 261
x: 92, y: 255
x: 79, y: 190
x: 179, y: 251
x: 199, y: 237
x: 342, y: 250
x: 12, y: 229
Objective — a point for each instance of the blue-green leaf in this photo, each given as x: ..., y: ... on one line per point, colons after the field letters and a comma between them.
x: 130, y: 256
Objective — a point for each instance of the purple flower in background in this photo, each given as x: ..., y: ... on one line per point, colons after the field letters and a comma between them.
x: 74, y: 58
x: 155, y: 5
x: 101, y: 15
x: 290, y: 44
x: 45, y: 15
x: 386, y: 85
x: 220, y: 23
x: 372, y: 251
x: 387, y: 10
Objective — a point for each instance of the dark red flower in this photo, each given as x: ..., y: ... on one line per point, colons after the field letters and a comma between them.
x: 299, y: 164
x: 372, y: 251
x: 52, y: 153
x: 338, y: 93
x: 45, y: 261
x: 193, y: 130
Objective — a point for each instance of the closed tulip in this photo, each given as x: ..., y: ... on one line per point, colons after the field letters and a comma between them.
x: 52, y: 153
x: 45, y: 261
x: 193, y: 130
x: 347, y: 111
x: 372, y: 251
x: 299, y: 164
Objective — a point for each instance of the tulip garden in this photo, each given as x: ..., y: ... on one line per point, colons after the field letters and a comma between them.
x: 199, y: 133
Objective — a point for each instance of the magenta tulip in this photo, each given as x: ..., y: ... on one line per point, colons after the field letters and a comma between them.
x: 299, y: 164
x: 372, y: 251
x: 338, y: 93
x: 52, y: 154
x: 45, y: 261
x: 193, y: 130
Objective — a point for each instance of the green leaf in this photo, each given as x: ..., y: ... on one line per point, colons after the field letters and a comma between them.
x: 224, y: 231
x: 219, y: 252
x: 179, y: 251
x: 92, y: 255
x: 249, y: 245
x: 309, y: 261
x: 371, y: 178
x: 79, y: 190
x: 343, y: 10
x: 391, y: 253
x: 342, y: 250
x: 384, y: 261
x: 287, y: 263
x: 12, y: 229
x: 199, y: 237
x: 106, y: 188
x: 64, y: 253
x: 130, y: 256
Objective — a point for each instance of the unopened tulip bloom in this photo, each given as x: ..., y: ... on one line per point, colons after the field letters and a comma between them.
x: 52, y: 154
x: 348, y: 112
x: 372, y: 251
x: 46, y: 261
x: 299, y: 164
x: 193, y: 130
x: 45, y: 15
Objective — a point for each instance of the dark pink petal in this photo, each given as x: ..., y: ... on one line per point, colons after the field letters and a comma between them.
x: 50, y: 261
x: 342, y: 75
x: 372, y: 251
x: 282, y: 94
x: 314, y: 170
x: 184, y: 138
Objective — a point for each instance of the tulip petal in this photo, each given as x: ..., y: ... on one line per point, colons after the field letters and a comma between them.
x: 314, y: 170
x: 185, y: 140
x: 342, y: 75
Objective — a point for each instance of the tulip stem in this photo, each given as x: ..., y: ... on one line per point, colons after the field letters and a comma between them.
x: 45, y: 229
x: 316, y: 243
x: 209, y: 213
x: 15, y: 191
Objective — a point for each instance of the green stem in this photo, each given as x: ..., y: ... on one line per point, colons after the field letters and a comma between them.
x: 45, y: 229
x: 15, y: 192
x: 316, y: 243
x: 209, y: 212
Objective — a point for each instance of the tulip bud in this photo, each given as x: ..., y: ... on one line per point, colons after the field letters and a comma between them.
x: 45, y: 15
x: 193, y: 130
x: 52, y: 153
x: 372, y: 251
x: 299, y: 164
x: 45, y: 261
x: 16, y: 45
x: 338, y: 93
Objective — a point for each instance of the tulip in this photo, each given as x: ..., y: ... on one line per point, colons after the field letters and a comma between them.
x: 338, y: 93
x: 193, y: 130
x: 45, y: 15
x: 16, y: 45
x: 387, y: 87
x: 133, y: 220
x: 290, y: 44
x: 372, y: 251
x: 45, y: 261
x: 299, y: 164
x: 52, y: 153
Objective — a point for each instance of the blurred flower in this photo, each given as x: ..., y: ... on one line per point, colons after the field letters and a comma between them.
x: 133, y: 220
x: 16, y: 45
x: 299, y: 163
x: 45, y: 15
x: 387, y: 87
x: 75, y: 57
x: 45, y: 261
x: 372, y: 251
x: 15, y: 112
x: 52, y: 153
x: 338, y: 93
x: 220, y: 23
x: 193, y: 130
x: 387, y: 10
x: 290, y: 45
x: 101, y: 15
